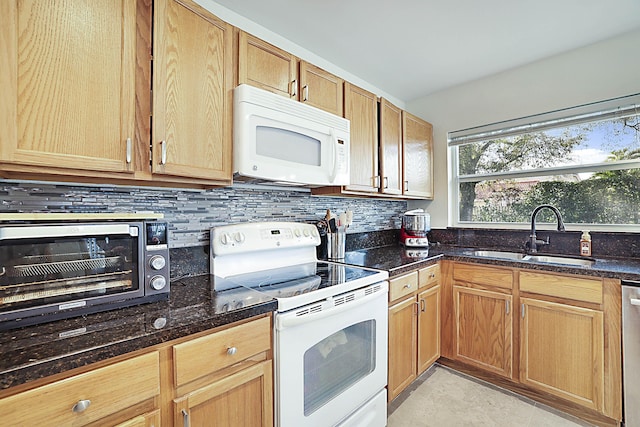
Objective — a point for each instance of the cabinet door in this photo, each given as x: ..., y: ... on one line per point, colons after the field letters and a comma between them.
x: 265, y: 66
x: 402, y: 346
x: 390, y: 147
x: 561, y: 351
x: 67, y: 82
x: 193, y: 73
x: 241, y: 399
x: 418, y: 156
x: 428, y: 327
x: 361, y: 108
x: 483, y: 331
x: 321, y: 89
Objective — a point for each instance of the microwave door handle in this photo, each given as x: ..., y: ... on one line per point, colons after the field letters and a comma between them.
x: 35, y: 232
x: 334, y: 149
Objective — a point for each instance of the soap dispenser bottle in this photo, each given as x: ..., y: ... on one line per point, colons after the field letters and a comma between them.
x: 585, y: 244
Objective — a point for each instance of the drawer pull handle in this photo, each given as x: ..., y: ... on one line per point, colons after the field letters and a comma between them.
x: 634, y: 301
x: 407, y: 286
x: 231, y: 351
x: 432, y: 275
x: 81, y: 406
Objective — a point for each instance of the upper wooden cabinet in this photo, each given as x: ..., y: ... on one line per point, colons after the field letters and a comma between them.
x: 401, y: 165
x: 391, y: 157
x: 192, y: 93
x: 268, y: 67
x: 265, y: 66
x: 361, y: 108
x: 418, y: 157
x: 321, y: 89
x: 68, y: 92
x: 79, y: 88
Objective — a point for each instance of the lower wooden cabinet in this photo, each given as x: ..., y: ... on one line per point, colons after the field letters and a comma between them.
x: 428, y: 328
x: 483, y: 331
x: 107, y: 395
x: 225, y: 378
x: 561, y: 351
x: 552, y: 336
x: 414, y: 328
x: 240, y: 399
x: 402, y: 346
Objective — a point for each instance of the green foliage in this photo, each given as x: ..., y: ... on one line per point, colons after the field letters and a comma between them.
x: 610, y: 197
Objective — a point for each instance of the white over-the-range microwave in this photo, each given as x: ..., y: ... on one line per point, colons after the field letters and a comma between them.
x: 287, y: 142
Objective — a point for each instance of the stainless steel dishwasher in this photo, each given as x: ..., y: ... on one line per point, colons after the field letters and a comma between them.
x: 631, y: 352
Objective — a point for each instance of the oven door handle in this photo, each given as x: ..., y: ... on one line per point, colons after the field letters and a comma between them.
x: 37, y: 232
x: 292, y: 318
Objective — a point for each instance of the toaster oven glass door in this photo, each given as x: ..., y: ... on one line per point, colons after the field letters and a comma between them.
x: 43, y: 265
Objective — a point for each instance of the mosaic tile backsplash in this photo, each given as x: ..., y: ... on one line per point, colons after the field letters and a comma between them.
x: 191, y: 213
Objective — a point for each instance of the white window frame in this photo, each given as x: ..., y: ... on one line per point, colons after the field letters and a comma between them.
x: 610, y: 109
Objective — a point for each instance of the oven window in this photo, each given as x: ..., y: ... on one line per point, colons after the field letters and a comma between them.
x: 338, y: 361
x: 286, y: 145
x: 59, y: 270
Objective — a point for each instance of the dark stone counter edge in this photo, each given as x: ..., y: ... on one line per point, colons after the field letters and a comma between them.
x: 45, y: 368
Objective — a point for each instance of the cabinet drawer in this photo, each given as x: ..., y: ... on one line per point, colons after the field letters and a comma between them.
x: 575, y: 288
x: 488, y: 276
x: 429, y: 275
x: 403, y: 285
x: 109, y: 390
x: 205, y: 355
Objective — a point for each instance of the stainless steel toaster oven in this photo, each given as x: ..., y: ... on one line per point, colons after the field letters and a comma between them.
x: 60, y: 270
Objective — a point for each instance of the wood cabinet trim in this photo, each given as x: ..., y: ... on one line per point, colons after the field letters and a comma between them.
x: 562, y: 286
x: 483, y: 275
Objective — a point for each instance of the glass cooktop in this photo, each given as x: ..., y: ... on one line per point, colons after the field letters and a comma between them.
x: 299, y: 285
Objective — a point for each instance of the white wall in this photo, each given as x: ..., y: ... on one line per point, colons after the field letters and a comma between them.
x: 598, y: 72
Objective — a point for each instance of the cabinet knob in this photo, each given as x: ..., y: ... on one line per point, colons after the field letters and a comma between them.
x: 81, y: 406
x: 231, y: 351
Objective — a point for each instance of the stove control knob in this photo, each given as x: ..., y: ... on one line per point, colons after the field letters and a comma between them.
x: 238, y: 237
x: 225, y: 238
x: 297, y: 232
x: 157, y: 262
x: 158, y: 282
x: 306, y: 232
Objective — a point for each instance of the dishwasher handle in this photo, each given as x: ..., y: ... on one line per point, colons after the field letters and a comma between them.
x: 634, y: 301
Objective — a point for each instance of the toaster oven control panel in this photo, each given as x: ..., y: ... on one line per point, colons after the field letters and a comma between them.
x: 156, y: 266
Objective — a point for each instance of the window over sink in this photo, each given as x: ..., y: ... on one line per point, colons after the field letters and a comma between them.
x: 583, y: 160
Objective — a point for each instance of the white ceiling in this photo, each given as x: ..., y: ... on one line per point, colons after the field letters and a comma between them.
x: 411, y: 48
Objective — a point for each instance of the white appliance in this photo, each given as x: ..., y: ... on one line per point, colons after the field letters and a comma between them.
x: 282, y: 140
x: 330, y: 327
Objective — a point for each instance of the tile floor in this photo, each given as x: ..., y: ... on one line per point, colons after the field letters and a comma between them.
x: 444, y: 398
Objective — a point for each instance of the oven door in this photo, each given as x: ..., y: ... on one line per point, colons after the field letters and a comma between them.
x: 331, y: 358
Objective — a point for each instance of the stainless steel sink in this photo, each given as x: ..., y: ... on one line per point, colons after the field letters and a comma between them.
x: 517, y: 256
x: 553, y: 259
x: 498, y: 254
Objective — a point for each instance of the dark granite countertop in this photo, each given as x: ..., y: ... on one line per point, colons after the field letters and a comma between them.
x: 37, y: 351
x: 397, y: 260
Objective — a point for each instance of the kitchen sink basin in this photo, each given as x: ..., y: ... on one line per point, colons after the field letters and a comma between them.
x: 516, y: 256
x: 547, y: 259
x: 553, y: 259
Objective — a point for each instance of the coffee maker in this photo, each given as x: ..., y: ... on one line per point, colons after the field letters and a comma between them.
x: 415, y: 226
